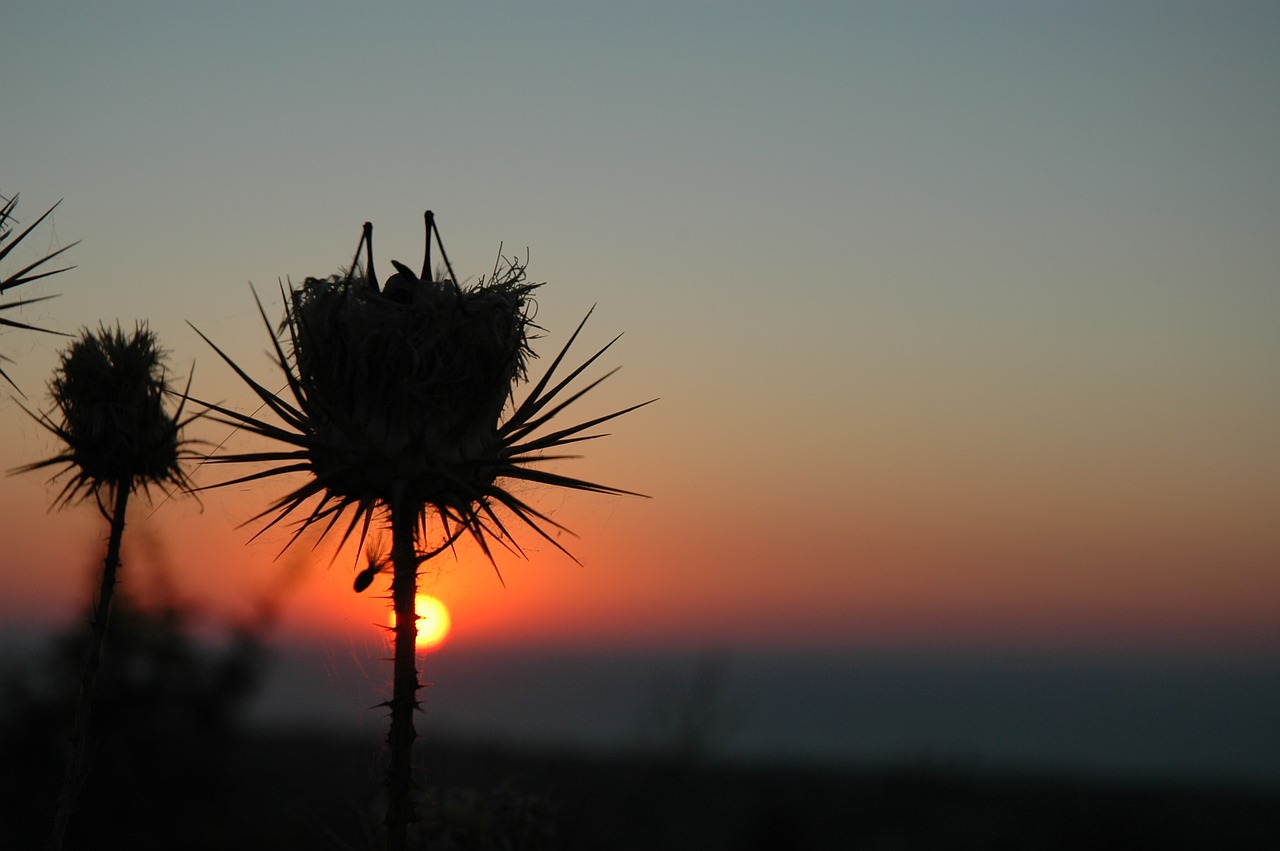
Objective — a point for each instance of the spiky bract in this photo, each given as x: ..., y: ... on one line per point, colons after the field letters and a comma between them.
x: 109, y: 393
x: 397, y: 399
x: 27, y: 273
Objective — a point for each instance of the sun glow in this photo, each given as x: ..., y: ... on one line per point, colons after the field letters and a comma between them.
x: 433, y: 622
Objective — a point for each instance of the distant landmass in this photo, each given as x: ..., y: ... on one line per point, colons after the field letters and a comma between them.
x: 1147, y: 719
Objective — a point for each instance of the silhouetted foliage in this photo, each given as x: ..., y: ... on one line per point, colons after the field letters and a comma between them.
x: 168, y: 712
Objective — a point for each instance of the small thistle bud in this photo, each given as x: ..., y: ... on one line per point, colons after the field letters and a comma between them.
x: 365, y: 577
x: 109, y: 391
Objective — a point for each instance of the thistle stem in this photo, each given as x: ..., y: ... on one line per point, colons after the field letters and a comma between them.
x: 78, y: 766
x: 404, y: 698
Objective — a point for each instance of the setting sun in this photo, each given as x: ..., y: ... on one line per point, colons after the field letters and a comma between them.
x: 433, y: 622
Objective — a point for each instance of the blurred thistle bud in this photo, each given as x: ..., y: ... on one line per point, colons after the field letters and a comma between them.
x: 109, y: 393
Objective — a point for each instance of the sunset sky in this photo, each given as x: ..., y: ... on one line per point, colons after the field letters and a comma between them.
x: 965, y: 318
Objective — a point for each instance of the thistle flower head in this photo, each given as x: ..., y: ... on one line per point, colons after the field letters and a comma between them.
x: 412, y: 388
x: 396, y: 398
x: 109, y: 395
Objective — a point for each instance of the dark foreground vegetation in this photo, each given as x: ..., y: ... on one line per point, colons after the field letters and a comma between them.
x: 322, y: 791
x: 174, y: 767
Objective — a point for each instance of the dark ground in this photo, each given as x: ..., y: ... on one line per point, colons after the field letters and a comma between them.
x: 320, y: 791
x: 175, y: 766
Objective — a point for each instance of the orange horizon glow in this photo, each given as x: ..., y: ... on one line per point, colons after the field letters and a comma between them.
x: 883, y: 594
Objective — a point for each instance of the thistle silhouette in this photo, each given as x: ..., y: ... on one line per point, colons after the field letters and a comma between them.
x: 26, y: 274
x: 395, y: 413
x: 119, y: 436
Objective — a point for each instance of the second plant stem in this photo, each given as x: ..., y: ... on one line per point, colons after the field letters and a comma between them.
x: 78, y: 766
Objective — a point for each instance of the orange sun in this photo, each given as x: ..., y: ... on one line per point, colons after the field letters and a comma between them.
x: 433, y: 622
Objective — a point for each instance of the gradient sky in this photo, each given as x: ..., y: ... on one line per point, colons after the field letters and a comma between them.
x: 965, y: 318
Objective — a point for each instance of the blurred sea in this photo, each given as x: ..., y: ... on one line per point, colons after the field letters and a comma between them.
x: 1151, y: 720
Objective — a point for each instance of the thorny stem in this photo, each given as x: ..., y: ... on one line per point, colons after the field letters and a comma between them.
x: 78, y: 766
x: 404, y: 698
